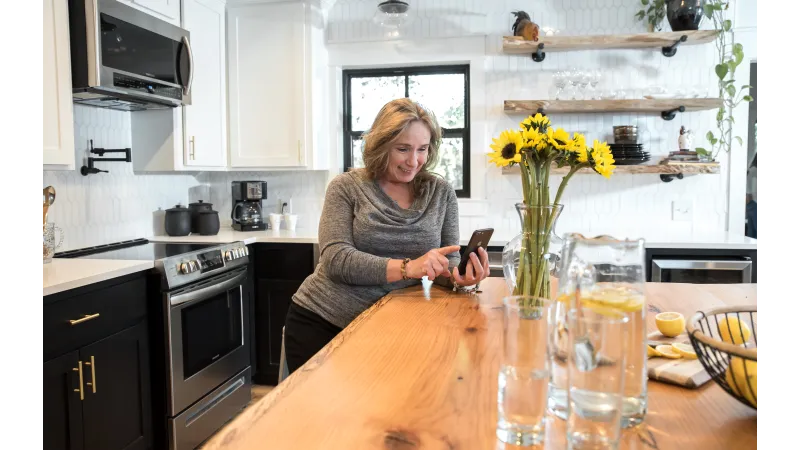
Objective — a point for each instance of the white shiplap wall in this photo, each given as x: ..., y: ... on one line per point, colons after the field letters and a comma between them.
x: 627, y: 204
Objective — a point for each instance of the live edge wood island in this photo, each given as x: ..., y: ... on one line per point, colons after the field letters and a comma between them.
x: 419, y: 370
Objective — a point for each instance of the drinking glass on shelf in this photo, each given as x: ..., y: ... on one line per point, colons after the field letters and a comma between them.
x: 573, y: 78
x: 598, y: 340
x: 557, y: 89
x: 594, y: 80
x: 524, y: 371
x: 584, y: 79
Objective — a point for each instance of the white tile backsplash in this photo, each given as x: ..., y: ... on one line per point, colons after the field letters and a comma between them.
x: 120, y: 205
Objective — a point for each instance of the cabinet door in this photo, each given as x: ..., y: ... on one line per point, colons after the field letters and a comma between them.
x: 58, y: 138
x: 267, y: 47
x: 117, y: 408
x: 272, y: 304
x: 63, y: 418
x: 205, y: 122
x: 168, y: 10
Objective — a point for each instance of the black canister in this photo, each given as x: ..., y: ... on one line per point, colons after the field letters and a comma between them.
x: 196, y: 209
x: 178, y: 221
x: 207, y: 223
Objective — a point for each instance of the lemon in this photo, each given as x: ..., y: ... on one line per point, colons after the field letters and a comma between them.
x: 667, y: 351
x: 670, y: 324
x: 741, y: 382
x: 652, y: 352
x: 684, y: 350
x: 731, y: 330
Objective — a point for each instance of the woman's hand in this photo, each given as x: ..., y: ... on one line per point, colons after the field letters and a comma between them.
x: 477, y: 269
x: 432, y: 264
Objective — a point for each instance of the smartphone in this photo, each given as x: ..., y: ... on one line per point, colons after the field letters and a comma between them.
x: 480, y: 238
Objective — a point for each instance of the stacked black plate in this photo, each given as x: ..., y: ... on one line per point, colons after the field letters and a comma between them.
x: 629, y: 154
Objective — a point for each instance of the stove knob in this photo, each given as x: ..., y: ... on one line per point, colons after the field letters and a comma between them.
x: 246, y: 252
x: 239, y: 253
x: 228, y: 256
x: 197, y: 265
x: 185, y: 268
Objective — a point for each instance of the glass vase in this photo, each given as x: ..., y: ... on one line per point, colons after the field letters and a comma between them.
x: 532, y: 256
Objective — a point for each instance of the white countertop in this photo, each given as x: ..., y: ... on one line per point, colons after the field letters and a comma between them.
x: 69, y: 273
x: 653, y: 239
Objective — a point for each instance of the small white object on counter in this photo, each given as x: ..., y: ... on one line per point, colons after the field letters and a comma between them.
x: 63, y: 274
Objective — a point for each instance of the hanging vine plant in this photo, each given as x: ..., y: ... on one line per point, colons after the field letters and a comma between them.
x: 731, y: 55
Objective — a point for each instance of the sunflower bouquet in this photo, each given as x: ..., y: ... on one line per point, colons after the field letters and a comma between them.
x: 536, y: 147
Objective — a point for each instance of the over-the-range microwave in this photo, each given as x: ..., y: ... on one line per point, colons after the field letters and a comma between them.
x: 125, y: 59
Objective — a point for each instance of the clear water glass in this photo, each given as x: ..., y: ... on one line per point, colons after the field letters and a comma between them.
x: 598, y: 342
x: 524, y: 371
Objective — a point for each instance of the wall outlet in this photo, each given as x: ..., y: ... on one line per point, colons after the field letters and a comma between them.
x: 682, y: 210
x: 288, y: 208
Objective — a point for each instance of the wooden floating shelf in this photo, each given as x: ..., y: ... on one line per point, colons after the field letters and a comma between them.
x: 599, y: 106
x: 658, y: 169
x: 518, y: 45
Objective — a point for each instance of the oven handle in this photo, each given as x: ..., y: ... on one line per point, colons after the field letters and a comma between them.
x: 660, y: 264
x: 209, y: 291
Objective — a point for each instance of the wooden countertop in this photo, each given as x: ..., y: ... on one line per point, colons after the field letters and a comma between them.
x: 419, y: 370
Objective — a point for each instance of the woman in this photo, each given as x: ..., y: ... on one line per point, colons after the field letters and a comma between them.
x: 382, y: 228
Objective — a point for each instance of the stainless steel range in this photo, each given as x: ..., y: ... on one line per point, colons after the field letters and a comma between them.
x: 200, y: 334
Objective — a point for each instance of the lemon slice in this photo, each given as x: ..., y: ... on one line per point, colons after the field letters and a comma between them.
x: 670, y: 324
x: 652, y: 352
x: 684, y: 350
x: 667, y: 351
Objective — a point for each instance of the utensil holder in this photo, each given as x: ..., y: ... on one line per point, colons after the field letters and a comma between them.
x: 49, y: 244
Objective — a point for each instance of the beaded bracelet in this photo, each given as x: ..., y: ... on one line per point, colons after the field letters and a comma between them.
x: 403, y: 268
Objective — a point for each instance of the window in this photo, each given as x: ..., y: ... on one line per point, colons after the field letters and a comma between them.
x: 444, y: 90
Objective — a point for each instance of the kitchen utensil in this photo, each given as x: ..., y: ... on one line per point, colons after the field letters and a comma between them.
x: 195, y: 209
x: 178, y: 221
x: 717, y: 356
x: 48, y: 198
x: 688, y: 373
x: 49, y: 245
x: 207, y: 223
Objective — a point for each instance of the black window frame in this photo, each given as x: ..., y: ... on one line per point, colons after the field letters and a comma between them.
x: 464, y: 133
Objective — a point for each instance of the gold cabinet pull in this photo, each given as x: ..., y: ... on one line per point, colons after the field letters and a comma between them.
x: 80, y: 379
x: 191, y: 153
x: 85, y: 318
x: 93, y: 384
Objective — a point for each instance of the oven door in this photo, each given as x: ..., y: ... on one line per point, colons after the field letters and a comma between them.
x: 702, y: 271
x: 207, y: 325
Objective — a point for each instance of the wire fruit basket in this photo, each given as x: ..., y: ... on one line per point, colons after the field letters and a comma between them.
x: 721, y: 338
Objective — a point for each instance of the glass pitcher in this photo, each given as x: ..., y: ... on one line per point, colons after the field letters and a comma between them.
x: 602, y: 273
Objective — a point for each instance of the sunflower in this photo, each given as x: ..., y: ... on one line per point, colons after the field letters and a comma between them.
x: 507, y: 148
x: 538, y: 122
x: 534, y: 139
x: 558, y: 138
x: 603, y: 159
x: 579, y: 147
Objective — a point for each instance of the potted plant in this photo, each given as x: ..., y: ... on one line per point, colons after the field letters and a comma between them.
x: 654, y: 11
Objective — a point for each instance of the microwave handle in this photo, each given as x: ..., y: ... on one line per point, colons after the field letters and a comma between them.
x: 188, y: 86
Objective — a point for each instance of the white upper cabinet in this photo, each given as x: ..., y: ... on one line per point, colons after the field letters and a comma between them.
x: 205, y: 121
x: 59, y: 143
x: 268, y: 82
x: 167, y: 10
x: 192, y: 137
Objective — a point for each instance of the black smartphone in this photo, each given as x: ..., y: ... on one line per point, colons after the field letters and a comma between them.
x: 480, y: 238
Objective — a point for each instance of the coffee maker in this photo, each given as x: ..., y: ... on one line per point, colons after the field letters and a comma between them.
x: 246, y: 211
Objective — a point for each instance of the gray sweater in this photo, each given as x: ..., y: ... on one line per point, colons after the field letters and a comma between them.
x: 360, y: 229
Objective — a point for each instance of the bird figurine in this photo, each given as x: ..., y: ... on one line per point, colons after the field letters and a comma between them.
x: 524, y: 27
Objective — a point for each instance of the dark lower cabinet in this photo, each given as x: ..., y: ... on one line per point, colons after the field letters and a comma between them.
x: 97, y: 388
x: 117, y: 404
x: 279, y: 270
x: 63, y: 416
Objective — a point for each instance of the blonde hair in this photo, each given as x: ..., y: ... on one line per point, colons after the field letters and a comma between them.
x: 394, y: 118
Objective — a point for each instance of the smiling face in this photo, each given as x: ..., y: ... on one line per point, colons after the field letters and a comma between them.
x: 408, y: 153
